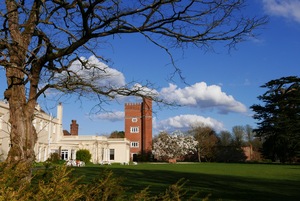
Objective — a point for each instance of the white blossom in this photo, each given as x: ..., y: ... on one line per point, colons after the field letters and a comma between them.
x: 175, y: 145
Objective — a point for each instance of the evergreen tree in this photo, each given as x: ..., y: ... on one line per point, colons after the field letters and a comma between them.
x: 279, y: 119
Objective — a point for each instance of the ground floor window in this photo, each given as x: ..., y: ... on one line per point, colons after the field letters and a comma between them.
x: 134, y: 157
x: 64, y: 154
x: 111, y: 154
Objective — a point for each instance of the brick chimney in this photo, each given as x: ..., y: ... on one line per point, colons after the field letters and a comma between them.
x: 74, y: 128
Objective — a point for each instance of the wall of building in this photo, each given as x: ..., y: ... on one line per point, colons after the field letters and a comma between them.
x: 98, y: 146
x: 147, y: 125
x: 138, y: 126
x: 51, y: 139
x: 4, y: 130
x: 46, y: 127
x: 133, y: 126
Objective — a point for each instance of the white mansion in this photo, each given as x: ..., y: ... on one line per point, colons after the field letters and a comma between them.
x: 53, y: 139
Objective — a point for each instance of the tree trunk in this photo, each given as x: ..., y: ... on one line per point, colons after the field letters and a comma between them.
x: 199, y: 155
x: 22, y: 82
x: 23, y: 135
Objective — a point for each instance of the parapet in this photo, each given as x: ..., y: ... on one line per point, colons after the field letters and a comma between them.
x: 133, y: 106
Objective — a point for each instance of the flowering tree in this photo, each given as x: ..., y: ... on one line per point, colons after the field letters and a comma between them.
x: 176, y: 145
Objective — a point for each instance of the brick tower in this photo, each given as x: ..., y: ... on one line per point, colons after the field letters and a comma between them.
x: 138, y: 127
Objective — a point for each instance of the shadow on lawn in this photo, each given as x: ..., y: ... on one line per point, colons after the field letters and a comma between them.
x: 219, y: 186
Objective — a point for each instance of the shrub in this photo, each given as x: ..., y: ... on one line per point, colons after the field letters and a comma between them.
x: 174, y: 192
x: 14, y: 183
x: 54, y: 158
x: 58, y: 183
x: 105, y: 187
x: 83, y: 155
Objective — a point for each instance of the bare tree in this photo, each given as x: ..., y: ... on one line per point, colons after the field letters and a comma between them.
x: 40, y: 40
x: 239, y: 135
x: 207, y: 140
x: 225, y: 138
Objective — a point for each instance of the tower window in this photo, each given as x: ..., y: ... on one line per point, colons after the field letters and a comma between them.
x: 134, y: 129
x: 134, y: 144
x: 134, y: 119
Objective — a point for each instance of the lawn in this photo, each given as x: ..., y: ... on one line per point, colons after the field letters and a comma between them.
x: 268, y: 182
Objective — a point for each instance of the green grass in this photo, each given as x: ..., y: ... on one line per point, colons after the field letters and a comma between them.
x: 268, y: 182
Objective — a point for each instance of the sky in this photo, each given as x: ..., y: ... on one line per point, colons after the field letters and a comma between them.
x: 219, y: 86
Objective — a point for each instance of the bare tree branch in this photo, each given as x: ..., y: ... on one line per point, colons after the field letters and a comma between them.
x: 42, y: 41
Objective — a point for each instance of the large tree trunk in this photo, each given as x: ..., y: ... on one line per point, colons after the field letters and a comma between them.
x: 22, y: 102
x: 23, y: 135
x: 22, y: 82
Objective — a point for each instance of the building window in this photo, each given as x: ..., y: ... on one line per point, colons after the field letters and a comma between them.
x: 134, y: 129
x: 134, y: 144
x: 64, y: 154
x: 111, y: 154
x: 134, y: 119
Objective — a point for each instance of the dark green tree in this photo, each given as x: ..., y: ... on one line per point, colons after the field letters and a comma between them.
x: 279, y: 119
x: 83, y: 155
x: 117, y: 134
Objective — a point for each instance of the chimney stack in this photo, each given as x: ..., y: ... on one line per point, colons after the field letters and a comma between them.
x: 74, y: 128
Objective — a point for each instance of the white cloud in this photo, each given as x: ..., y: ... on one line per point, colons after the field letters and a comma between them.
x: 111, y: 116
x: 184, y: 122
x: 144, y: 90
x: 202, y: 96
x: 98, y: 73
x: 285, y: 8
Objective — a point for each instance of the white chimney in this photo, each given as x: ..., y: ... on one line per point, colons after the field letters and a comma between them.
x: 59, y: 114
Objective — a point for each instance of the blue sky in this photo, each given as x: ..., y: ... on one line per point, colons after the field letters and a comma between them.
x: 221, y: 86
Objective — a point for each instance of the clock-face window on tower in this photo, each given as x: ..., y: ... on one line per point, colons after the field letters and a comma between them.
x: 134, y: 119
x: 134, y: 129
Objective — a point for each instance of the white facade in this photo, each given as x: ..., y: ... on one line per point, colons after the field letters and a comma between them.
x: 51, y: 140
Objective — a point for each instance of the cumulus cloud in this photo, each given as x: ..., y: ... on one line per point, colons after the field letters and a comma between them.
x: 184, y: 122
x: 202, y: 96
x: 144, y: 90
x: 97, y: 72
x: 288, y: 8
x: 111, y: 116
